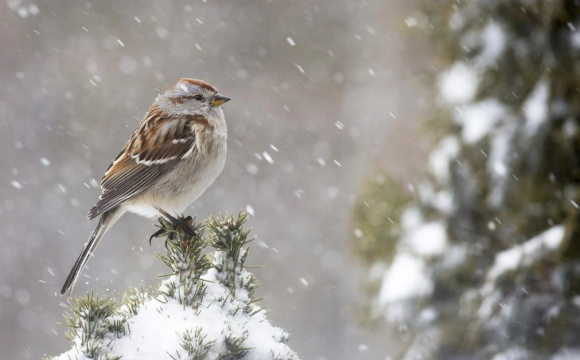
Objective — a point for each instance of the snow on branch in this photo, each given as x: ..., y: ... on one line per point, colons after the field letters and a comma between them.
x: 204, y: 310
x: 517, y: 257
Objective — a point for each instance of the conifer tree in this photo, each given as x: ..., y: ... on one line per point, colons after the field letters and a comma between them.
x: 482, y: 260
x: 204, y: 310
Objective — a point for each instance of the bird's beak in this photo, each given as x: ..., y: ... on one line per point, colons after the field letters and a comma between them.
x: 219, y: 99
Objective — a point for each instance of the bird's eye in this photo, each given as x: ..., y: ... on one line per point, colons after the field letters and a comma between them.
x: 198, y: 97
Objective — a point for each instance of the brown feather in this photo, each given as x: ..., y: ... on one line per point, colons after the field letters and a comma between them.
x: 176, y: 100
x: 158, y: 143
x: 200, y: 83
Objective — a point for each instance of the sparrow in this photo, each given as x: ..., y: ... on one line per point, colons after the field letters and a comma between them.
x: 174, y: 155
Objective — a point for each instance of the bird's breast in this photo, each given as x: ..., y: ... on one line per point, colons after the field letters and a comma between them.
x: 192, y: 176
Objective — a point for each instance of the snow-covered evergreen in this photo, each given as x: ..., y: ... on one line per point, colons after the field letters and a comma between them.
x: 204, y: 310
x: 482, y: 260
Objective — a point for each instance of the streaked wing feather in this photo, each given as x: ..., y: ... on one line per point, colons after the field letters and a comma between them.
x: 155, y: 148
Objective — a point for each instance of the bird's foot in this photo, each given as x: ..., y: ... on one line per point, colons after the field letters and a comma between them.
x: 172, y: 225
x: 159, y: 233
x: 184, y: 224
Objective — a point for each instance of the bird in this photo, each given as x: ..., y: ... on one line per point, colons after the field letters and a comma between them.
x: 175, y: 153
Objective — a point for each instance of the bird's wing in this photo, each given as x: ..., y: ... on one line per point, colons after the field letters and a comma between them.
x: 156, y: 146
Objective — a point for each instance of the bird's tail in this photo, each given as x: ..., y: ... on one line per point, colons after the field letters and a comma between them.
x: 105, y: 222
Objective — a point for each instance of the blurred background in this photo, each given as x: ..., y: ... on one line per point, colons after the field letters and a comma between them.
x: 411, y: 168
x: 324, y: 94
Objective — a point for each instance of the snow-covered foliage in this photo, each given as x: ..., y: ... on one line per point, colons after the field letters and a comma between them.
x: 483, y: 259
x: 204, y: 310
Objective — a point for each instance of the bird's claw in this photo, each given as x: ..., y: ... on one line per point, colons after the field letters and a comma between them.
x: 157, y: 234
x: 185, y: 224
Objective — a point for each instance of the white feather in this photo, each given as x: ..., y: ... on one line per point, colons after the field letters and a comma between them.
x: 152, y: 162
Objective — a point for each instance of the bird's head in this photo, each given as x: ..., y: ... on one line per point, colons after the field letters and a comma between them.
x: 192, y: 97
